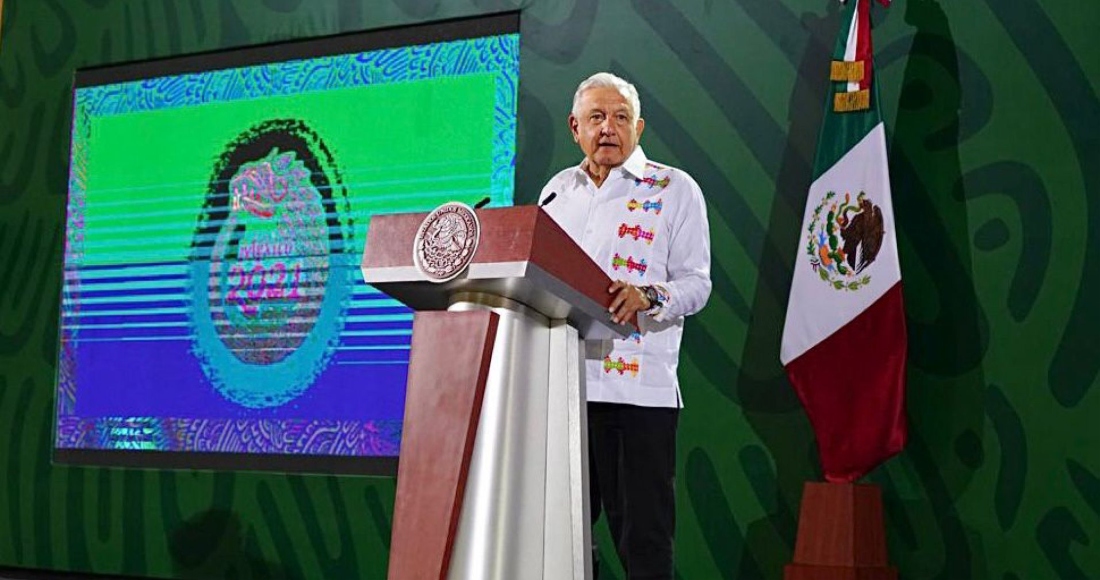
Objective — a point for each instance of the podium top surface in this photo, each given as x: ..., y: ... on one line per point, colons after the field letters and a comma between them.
x: 522, y: 255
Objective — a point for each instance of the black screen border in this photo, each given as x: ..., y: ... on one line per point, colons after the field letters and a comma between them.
x: 300, y: 49
x: 379, y: 465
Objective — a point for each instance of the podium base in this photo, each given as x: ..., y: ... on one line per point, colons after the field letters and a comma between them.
x: 841, y: 535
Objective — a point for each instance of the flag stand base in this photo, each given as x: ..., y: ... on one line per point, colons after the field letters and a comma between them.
x: 841, y: 535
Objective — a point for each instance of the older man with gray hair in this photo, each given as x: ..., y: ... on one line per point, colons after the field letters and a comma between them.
x: 645, y: 224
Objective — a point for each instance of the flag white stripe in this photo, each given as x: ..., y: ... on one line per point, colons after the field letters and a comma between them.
x: 853, y: 40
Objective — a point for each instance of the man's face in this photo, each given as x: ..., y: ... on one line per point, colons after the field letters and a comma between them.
x: 604, y: 128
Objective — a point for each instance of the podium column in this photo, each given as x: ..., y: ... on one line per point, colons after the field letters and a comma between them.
x: 525, y: 507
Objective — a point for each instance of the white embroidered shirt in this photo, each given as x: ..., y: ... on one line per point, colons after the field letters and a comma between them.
x: 647, y: 225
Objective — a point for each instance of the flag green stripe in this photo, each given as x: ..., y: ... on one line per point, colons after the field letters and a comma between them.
x: 840, y: 132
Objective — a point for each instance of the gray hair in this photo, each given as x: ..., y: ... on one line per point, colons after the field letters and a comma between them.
x: 606, y: 79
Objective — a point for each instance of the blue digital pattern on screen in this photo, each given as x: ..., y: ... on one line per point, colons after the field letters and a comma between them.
x: 212, y: 299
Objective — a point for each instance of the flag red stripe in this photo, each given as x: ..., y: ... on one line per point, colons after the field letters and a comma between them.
x: 852, y: 385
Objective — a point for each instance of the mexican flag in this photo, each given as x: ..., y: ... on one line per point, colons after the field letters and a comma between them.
x: 844, y: 344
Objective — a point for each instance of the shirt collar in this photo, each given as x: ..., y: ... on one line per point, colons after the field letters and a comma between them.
x: 634, y: 165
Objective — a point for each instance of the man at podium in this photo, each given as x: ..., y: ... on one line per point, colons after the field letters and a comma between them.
x: 645, y: 224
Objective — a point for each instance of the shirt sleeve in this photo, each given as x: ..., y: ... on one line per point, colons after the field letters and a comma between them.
x: 688, y: 286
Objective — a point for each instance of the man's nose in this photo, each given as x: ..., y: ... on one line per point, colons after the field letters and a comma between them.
x: 606, y: 128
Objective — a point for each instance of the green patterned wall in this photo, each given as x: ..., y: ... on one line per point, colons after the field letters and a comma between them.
x: 993, y: 113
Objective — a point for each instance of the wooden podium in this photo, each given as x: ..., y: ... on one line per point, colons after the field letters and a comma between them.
x: 492, y: 479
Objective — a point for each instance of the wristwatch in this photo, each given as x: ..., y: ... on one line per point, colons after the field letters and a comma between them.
x: 653, y: 296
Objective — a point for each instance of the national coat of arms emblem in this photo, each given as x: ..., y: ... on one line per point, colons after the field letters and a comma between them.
x: 446, y: 241
x: 843, y: 238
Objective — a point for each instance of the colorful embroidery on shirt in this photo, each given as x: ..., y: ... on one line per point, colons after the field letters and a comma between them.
x: 652, y: 181
x: 637, y: 232
x: 629, y: 263
x: 636, y: 337
x: 621, y: 365
x: 656, y: 206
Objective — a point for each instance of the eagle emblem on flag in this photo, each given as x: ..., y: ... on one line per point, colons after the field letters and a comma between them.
x: 843, y: 239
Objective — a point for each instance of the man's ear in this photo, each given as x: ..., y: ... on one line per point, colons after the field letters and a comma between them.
x: 640, y: 126
x: 574, y: 128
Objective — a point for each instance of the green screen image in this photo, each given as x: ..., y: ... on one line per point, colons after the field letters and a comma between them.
x: 216, y: 220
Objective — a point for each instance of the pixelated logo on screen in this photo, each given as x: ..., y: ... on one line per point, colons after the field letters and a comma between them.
x: 270, y: 278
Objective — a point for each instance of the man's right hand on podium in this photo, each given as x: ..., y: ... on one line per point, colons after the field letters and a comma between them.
x: 628, y: 302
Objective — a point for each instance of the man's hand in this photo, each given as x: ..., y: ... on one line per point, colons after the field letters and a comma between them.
x: 628, y: 301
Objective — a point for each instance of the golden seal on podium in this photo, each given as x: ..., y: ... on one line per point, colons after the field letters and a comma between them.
x: 446, y: 241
